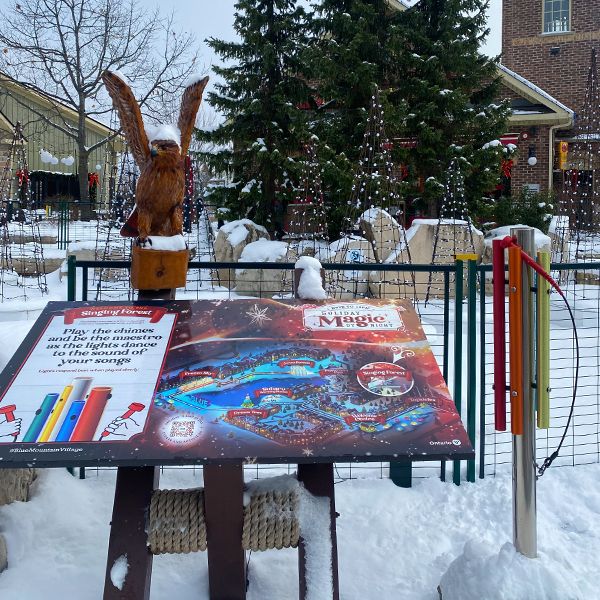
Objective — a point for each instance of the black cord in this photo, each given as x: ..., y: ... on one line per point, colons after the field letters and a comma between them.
x: 548, y: 461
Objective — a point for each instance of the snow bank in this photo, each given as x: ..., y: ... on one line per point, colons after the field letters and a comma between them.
x: 174, y: 242
x: 541, y: 240
x: 262, y: 251
x: 163, y: 132
x: 481, y: 571
x: 118, y: 572
x: 310, y: 286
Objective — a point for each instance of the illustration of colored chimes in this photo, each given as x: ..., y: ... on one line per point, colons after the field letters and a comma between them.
x: 91, y: 415
x: 55, y: 414
x: 71, y: 410
x: 39, y: 420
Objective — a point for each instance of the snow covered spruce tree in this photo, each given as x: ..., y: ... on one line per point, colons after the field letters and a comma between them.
x: 351, y: 53
x: 447, y: 97
x: 264, y: 128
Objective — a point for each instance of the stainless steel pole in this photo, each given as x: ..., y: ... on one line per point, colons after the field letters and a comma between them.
x: 524, y: 473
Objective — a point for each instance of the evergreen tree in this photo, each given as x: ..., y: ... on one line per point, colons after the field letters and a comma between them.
x: 352, y: 54
x: 447, y: 97
x: 263, y: 87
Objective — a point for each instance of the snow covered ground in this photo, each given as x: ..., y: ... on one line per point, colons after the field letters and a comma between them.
x: 393, y: 543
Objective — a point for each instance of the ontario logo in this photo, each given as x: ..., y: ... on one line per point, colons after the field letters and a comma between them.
x: 353, y: 316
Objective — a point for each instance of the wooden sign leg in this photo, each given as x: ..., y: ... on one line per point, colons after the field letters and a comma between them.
x: 128, y: 537
x: 224, y: 516
x: 318, y: 480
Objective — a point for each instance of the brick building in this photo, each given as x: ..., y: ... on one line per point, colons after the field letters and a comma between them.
x: 546, y: 49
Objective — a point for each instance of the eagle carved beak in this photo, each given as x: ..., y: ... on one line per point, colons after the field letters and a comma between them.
x: 153, y: 151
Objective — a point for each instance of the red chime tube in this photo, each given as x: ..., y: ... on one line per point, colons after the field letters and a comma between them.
x: 499, y: 286
x: 91, y: 415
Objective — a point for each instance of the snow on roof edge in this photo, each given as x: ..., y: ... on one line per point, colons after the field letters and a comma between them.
x: 535, y: 88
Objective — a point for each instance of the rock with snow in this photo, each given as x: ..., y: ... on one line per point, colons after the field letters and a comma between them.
x: 230, y: 242
x: 82, y: 250
x: 382, y: 230
x: 454, y: 236
x: 263, y: 282
x: 310, y: 286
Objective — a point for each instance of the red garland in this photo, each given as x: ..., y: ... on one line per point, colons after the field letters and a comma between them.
x: 23, y: 175
x: 506, y: 168
x: 93, y: 179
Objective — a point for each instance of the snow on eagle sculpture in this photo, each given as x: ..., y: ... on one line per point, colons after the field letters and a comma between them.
x: 160, y: 158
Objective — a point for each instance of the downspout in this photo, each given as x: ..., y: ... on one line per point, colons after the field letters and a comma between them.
x: 553, y: 128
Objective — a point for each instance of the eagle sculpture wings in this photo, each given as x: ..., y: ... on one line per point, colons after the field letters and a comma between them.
x: 160, y: 158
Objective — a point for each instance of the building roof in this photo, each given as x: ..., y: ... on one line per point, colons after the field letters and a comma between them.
x: 540, y: 108
x: 53, y: 103
x: 400, y: 4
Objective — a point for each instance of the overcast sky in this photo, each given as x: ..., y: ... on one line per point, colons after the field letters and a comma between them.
x: 214, y: 18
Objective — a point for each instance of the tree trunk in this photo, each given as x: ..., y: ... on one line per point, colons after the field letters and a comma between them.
x: 85, y: 208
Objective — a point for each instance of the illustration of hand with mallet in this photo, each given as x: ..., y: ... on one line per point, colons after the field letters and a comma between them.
x: 9, y: 426
x: 120, y: 422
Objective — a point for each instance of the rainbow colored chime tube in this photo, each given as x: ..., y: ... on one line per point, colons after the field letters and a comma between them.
x: 542, y: 342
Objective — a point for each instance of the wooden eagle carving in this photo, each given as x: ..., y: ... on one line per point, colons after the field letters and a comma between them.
x: 160, y: 158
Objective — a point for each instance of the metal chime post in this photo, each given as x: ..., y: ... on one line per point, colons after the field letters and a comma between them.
x: 524, y: 473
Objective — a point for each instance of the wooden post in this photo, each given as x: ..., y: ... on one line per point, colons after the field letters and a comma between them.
x: 318, y: 480
x: 128, y: 537
x: 134, y: 486
x: 224, y: 516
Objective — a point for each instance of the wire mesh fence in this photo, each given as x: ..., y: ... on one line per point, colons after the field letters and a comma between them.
x: 450, y: 327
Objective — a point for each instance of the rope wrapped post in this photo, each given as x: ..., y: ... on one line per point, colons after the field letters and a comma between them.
x: 177, y: 523
x: 224, y: 514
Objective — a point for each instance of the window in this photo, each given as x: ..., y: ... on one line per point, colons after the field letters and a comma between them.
x: 557, y: 16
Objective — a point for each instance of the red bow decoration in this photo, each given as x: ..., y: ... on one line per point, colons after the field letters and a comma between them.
x: 93, y: 179
x: 506, y: 168
x: 23, y: 175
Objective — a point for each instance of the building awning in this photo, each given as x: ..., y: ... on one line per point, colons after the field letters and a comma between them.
x: 510, y: 138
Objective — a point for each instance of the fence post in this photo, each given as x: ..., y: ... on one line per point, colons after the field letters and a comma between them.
x: 482, y: 313
x: 458, y: 297
x: 472, y: 361
x: 71, y: 277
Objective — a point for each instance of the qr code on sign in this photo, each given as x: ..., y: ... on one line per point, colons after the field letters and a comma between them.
x: 182, y: 429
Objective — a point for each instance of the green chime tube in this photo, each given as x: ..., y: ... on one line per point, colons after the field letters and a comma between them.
x: 543, y: 344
